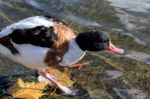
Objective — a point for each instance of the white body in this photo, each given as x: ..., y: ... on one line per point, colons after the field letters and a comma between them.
x: 33, y: 56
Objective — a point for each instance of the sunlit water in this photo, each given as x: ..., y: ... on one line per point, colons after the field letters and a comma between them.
x: 134, y: 15
x: 55, y: 12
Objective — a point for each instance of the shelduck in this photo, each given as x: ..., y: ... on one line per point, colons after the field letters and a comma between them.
x: 39, y: 42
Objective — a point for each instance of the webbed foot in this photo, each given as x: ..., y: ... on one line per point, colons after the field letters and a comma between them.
x: 53, y: 80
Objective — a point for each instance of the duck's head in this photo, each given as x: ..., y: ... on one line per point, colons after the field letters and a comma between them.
x: 96, y: 41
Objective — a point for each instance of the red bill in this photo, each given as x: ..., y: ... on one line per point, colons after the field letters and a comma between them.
x: 113, y: 49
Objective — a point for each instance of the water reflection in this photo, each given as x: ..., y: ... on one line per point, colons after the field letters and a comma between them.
x: 77, y: 19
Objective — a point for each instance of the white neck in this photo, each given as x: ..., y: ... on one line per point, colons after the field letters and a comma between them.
x: 73, y: 44
x: 74, y: 54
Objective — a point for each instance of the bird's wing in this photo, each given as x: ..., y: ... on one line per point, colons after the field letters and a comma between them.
x: 40, y: 36
x: 38, y: 30
x: 30, y: 22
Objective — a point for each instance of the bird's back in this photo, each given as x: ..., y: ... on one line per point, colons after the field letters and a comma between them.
x: 26, y: 37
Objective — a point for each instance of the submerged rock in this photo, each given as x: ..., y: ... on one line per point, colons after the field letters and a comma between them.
x: 130, y: 93
x: 113, y: 74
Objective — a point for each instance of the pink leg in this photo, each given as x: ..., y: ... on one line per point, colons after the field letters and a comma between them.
x: 66, y: 90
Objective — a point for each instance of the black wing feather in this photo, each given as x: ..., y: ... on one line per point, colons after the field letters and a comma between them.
x: 39, y: 36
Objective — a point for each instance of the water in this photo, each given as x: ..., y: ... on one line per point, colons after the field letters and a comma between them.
x: 139, y: 56
x: 132, y: 5
x: 133, y: 15
x: 45, y: 7
x: 114, y: 74
x: 130, y: 93
x: 128, y: 23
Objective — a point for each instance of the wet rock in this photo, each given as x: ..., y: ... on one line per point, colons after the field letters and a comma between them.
x: 130, y: 93
x: 113, y: 74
